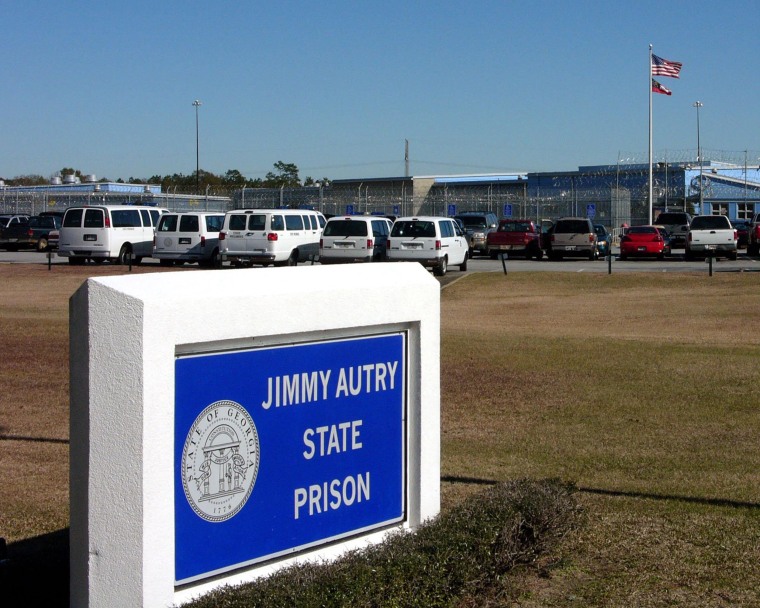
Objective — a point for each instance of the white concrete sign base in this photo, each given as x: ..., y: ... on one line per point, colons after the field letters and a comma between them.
x: 227, y: 423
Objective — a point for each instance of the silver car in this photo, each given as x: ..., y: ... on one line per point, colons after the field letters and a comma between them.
x: 573, y: 236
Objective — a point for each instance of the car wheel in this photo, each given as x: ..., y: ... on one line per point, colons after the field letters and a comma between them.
x: 163, y: 262
x: 76, y: 261
x: 688, y: 255
x: 493, y: 255
x: 463, y: 265
x: 124, y: 254
x: 539, y: 254
x: 440, y: 270
x: 215, y: 261
x: 42, y: 244
x: 623, y: 258
x: 593, y: 255
x: 293, y: 259
x: 732, y: 255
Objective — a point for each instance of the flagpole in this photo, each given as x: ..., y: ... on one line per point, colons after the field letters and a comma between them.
x: 650, y: 135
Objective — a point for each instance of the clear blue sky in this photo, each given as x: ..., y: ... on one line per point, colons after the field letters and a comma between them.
x: 336, y: 87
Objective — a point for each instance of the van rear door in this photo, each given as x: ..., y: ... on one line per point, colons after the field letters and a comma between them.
x: 234, y: 235
x: 84, y: 230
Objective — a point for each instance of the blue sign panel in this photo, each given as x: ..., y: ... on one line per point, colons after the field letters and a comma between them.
x: 349, y: 209
x: 452, y: 210
x: 396, y: 209
x: 282, y: 448
x: 507, y: 210
x: 591, y: 211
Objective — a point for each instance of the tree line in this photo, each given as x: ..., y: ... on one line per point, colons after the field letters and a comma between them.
x: 283, y: 175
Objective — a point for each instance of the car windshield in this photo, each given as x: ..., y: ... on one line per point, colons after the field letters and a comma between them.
x: 515, y: 227
x: 672, y: 218
x: 345, y: 228
x: 42, y: 222
x: 642, y: 230
x: 472, y: 221
x: 571, y: 226
x: 710, y: 222
x: 600, y: 231
x: 414, y: 229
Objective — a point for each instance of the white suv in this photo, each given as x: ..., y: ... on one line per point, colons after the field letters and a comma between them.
x: 354, y: 239
x: 434, y: 242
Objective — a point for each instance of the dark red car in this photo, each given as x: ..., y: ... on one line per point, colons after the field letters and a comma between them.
x: 645, y: 242
x: 742, y: 230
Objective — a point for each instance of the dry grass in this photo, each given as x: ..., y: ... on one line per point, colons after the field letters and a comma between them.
x: 642, y: 389
x: 34, y: 376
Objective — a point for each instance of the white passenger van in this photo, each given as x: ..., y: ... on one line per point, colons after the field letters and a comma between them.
x: 434, y: 242
x: 270, y: 236
x: 354, y: 239
x: 108, y: 232
x: 191, y: 236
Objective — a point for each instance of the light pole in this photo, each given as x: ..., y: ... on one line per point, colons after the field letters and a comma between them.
x: 699, y: 104
x: 197, y: 104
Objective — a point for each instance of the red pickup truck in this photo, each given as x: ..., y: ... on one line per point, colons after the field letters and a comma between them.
x: 515, y: 237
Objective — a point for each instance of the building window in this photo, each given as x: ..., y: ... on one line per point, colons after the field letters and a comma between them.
x: 745, y: 211
x: 720, y: 209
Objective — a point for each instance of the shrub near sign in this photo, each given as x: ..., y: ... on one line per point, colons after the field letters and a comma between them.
x: 284, y: 448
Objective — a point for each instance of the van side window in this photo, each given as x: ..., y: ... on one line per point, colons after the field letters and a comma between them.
x: 276, y: 223
x: 293, y: 222
x: 189, y: 223
x: 126, y: 218
x: 322, y: 221
x: 73, y: 218
x: 447, y: 229
x: 154, y: 215
x: 214, y: 223
x: 237, y: 222
x: 168, y: 223
x: 257, y: 222
x: 313, y: 220
x: 146, y: 218
x: 93, y: 218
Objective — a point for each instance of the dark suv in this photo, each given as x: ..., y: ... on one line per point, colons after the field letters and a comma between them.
x: 477, y: 225
x: 676, y: 224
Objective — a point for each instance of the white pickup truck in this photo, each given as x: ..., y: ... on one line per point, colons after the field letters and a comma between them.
x: 711, y: 235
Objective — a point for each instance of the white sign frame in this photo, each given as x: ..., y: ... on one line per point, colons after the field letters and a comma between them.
x: 125, y: 333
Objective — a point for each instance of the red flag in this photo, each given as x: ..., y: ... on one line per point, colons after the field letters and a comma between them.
x: 658, y: 88
x: 663, y: 67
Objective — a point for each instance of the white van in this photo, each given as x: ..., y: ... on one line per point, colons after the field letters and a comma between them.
x: 191, y: 236
x: 354, y: 239
x: 108, y: 232
x: 434, y: 242
x: 270, y: 236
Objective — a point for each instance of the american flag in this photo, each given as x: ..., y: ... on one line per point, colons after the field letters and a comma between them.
x: 663, y: 67
x: 658, y: 88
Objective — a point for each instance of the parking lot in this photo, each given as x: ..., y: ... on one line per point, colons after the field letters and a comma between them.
x: 674, y: 263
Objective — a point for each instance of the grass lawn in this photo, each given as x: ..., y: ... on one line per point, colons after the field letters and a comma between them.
x: 643, y: 389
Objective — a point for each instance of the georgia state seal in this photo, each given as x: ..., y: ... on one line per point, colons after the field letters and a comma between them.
x: 220, y: 461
